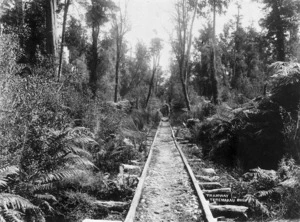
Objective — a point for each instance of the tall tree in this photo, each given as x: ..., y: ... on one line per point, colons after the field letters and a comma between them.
x: 155, y: 49
x: 185, y: 13
x: 51, y: 8
x: 120, y: 28
x: 97, y: 15
x: 66, y: 9
x: 138, y: 68
x: 282, y: 16
x: 76, y: 38
x: 217, y: 6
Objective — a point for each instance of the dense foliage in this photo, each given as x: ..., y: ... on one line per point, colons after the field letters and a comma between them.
x: 62, y: 140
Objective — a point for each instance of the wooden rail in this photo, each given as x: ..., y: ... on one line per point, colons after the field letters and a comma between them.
x: 138, y: 192
x: 208, y: 217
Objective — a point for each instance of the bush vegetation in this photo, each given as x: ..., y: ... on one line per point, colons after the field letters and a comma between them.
x: 60, y: 150
x: 62, y: 140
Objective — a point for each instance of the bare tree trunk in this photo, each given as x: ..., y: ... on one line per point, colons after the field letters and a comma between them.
x: 280, y: 38
x: 51, y: 28
x: 187, y: 60
x: 150, y: 87
x: 67, y: 4
x: 185, y: 94
x: 93, y: 74
x: 117, y: 80
x: 118, y: 58
x: 214, y: 81
x: 121, y: 25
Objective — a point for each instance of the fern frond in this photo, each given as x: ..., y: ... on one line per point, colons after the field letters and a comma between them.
x: 58, y: 175
x: 76, y: 160
x: 9, y: 170
x: 78, y: 151
x: 264, y: 193
x: 84, y: 140
x: 10, y: 215
x: 80, y: 130
x: 284, y: 68
x: 44, y: 187
x: 48, y: 206
x: 15, y: 202
x: 46, y: 196
x: 3, y: 181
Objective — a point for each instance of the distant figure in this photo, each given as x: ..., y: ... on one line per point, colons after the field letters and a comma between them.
x: 165, y: 110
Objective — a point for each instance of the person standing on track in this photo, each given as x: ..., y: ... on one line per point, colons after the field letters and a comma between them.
x: 165, y: 110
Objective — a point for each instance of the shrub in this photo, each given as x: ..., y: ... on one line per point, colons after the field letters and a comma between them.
x: 76, y: 206
x: 114, y: 153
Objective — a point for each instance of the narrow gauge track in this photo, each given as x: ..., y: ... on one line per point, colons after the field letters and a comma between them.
x: 168, y: 189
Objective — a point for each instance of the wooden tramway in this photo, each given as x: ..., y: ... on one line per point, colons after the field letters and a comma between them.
x: 203, y: 203
x: 209, y: 187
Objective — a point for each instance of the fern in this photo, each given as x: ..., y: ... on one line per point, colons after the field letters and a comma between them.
x: 9, y: 215
x: 44, y: 187
x: 284, y: 69
x: 75, y: 160
x: 256, y: 204
x: 3, y: 181
x: 46, y: 196
x: 9, y: 170
x: 75, y: 149
x: 4, y: 172
x: 58, y: 176
x: 15, y: 202
x: 265, y: 193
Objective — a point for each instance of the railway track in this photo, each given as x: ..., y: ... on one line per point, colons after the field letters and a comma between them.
x: 168, y: 190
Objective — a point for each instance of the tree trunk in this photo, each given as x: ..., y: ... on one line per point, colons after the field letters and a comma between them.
x: 185, y: 93
x: 185, y: 68
x: 67, y: 4
x: 118, y: 57
x: 21, y: 17
x: 280, y: 45
x: 117, y: 81
x: 94, y: 64
x: 150, y: 87
x: 214, y: 81
x: 51, y: 28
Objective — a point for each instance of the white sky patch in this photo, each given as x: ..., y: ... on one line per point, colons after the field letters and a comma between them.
x: 153, y: 18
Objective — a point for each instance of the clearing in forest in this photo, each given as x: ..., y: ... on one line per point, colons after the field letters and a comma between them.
x: 167, y: 194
